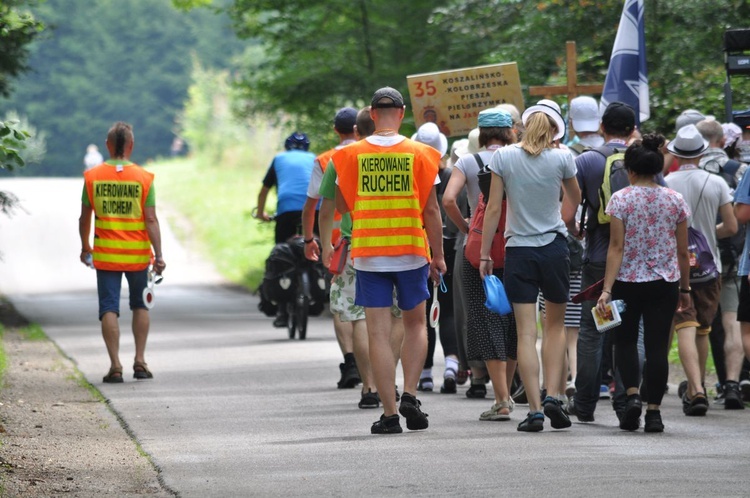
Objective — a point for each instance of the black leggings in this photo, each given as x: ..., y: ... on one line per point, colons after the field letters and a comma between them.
x: 656, y: 302
x: 448, y: 337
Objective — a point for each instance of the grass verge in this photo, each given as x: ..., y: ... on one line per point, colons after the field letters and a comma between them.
x: 217, y: 203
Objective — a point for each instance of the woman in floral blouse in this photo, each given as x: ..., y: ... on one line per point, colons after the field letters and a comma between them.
x: 648, y: 268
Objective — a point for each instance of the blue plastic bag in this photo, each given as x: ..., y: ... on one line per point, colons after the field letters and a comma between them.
x: 497, y: 300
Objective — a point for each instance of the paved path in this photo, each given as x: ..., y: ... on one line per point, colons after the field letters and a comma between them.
x: 236, y: 409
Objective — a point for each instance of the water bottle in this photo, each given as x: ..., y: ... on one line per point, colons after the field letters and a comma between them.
x: 90, y: 260
x: 619, y: 304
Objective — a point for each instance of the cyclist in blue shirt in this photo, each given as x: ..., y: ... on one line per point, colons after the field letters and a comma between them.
x: 290, y: 173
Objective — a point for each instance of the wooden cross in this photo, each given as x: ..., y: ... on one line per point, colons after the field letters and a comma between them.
x: 572, y: 89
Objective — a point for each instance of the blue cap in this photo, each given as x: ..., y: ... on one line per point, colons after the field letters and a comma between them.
x: 495, y: 118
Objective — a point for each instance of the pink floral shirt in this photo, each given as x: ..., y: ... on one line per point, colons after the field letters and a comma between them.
x: 650, y: 216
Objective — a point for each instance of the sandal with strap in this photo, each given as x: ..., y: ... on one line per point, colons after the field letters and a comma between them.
x: 141, y: 371
x: 114, y: 376
x: 493, y: 414
x: 534, y: 422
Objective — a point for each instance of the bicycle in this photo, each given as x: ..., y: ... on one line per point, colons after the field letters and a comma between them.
x: 293, y: 281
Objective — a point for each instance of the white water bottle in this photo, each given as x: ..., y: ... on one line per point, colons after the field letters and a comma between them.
x: 90, y: 260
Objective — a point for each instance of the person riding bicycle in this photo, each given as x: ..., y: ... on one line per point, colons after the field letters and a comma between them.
x: 290, y: 173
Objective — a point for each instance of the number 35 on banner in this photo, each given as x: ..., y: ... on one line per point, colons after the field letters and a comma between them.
x: 425, y: 88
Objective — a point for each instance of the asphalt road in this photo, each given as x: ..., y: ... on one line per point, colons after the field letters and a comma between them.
x: 237, y: 409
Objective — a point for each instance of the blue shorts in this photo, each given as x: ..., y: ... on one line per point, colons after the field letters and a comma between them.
x: 375, y: 289
x: 531, y: 269
x: 108, y: 284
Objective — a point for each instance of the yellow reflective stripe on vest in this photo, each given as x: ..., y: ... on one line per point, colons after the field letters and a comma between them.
x: 387, y: 223
x: 122, y: 244
x: 122, y: 258
x: 388, y: 241
x: 373, y: 205
x: 120, y: 225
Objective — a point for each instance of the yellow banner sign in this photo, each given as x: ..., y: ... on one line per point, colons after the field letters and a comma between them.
x: 453, y: 99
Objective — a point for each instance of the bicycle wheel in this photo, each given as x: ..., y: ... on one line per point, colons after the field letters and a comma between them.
x: 291, y: 308
x: 300, y: 316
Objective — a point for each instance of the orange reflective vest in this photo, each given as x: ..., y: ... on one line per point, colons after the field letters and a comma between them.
x: 386, y: 189
x: 323, y: 160
x: 118, y: 196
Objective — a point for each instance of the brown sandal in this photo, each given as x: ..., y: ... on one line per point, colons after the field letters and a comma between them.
x: 114, y: 376
x: 141, y: 371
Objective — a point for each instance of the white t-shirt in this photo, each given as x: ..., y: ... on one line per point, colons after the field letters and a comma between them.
x: 390, y: 263
x: 689, y: 183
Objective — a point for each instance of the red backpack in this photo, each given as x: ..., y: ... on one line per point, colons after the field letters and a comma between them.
x: 474, y: 238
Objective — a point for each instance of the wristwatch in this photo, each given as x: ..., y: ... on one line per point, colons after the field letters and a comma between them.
x: 685, y: 291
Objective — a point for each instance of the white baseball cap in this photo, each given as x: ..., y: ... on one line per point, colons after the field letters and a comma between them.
x: 584, y: 113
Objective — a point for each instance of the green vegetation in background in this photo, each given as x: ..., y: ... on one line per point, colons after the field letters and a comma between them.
x: 101, y: 61
x: 217, y: 202
x: 323, y: 54
x: 18, y: 28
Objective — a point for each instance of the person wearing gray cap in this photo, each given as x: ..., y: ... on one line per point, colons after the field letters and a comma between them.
x: 707, y: 196
x: 689, y: 117
x: 387, y: 182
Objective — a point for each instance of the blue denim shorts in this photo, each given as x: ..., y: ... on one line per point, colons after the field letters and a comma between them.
x: 531, y: 269
x: 375, y: 289
x: 108, y: 284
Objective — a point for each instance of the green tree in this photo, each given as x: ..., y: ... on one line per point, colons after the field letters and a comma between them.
x: 321, y: 54
x: 109, y: 60
x: 17, y: 30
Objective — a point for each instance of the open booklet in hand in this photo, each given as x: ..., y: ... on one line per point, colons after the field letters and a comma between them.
x: 609, y: 320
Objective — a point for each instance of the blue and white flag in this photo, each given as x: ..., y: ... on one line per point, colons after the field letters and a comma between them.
x: 627, y: 79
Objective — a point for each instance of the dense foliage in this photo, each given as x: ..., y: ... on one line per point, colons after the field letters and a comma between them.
x: 17, y: 29
x: 101, y: 61
x: 107, y: 60
x: 321, y: 54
